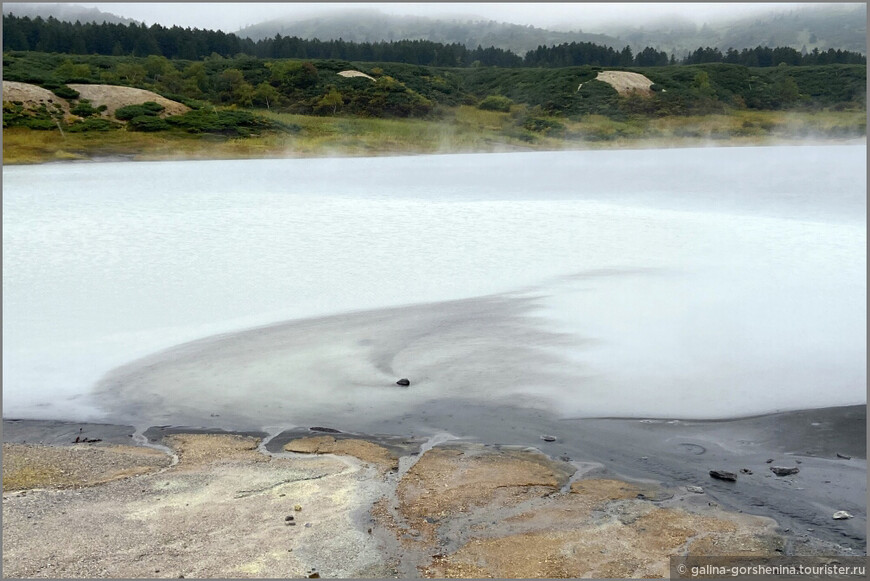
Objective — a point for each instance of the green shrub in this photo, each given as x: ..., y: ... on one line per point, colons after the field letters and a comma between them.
x: 84, y: 109
x: 496, y: 103
x: 146, y: 109
x: 92, y: 124
x: 15, y: 115
x: 65, y: 92
x: 545, y: 126
x: 223, y: 122
x: 147, y: 123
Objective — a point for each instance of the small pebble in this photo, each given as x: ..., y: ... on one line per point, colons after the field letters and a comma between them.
x: 297, y: 508
x: 288, y: 518
x: 548, y: 438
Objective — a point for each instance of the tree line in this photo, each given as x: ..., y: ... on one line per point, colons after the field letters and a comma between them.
x: 54, y: 36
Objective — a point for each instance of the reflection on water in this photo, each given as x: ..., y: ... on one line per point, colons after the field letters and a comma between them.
x: 612, y: 284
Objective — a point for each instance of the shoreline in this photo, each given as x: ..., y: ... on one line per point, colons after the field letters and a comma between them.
x: 333, y: 153
x: 33, y: 148
x: 826, y: 444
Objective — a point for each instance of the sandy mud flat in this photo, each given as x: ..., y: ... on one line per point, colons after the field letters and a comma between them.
x: 321, y: 502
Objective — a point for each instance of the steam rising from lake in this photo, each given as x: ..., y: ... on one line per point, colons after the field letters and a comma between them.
x: 680, y: 283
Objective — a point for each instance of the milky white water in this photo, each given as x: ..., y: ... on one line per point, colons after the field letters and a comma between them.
x: 684, y: 282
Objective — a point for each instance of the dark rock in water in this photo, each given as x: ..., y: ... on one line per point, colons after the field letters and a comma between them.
x: 841, y: 515
x: 327, y: 430
x: 745, y: 471
x: 403, y: 382
x: 548, y: 438
x: 844, y: 456
x: 723, y: 475
x: 784, y: 471
x: 768, y: 461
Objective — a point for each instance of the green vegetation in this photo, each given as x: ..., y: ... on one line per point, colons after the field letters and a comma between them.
x: 248, y: 106
x: 146, y: 109
x: 496, y: 103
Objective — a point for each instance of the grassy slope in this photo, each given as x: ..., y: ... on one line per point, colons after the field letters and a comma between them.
x: 462, y: 129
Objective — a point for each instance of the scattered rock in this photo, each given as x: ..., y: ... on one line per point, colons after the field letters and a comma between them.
x: 844, y: 456
x: 548, y: 438
x: 297, y: 508
x: 784, y: 471
x: 308, y: 525
x: 403, y: 382
x: 314, y: 576
x: 290, y: 523
x: 695, y: 489
x: 768, y: 461
x: 841, y: 515
x: 745, y: 471
x: 723, y: 475
x: 288, y: 518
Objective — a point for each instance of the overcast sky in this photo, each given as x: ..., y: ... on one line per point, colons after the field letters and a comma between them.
x: 233, y: 16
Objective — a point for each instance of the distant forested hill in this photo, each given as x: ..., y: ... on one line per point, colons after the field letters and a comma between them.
x: 53, y: 36
x: 65, y: 12
x: 375, y: 26
x: 837, y: 27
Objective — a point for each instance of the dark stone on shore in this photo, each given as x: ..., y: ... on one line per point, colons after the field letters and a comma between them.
x: 745, y: 471
x: 723, y: 475
x: 326, y: 430
x: 548, y: 438
x: 784, y: 471
x: 844, y: 456
x: 403, y: 382
x: 288, y: 518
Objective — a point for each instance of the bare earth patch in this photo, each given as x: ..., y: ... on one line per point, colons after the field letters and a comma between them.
x: 32, y: 96
x: 27, y: 466
x: 365, y: 451
x: 114, y: 97
x: 458, y: 510
x: 624, y: 81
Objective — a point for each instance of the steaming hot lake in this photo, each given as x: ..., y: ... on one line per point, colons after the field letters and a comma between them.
x: 680, y: 283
